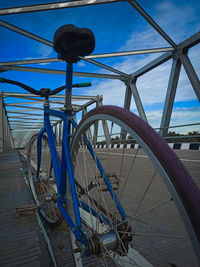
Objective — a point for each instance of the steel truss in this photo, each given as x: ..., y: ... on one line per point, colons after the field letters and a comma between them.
x: 177, y: 52
x: 30, y: 118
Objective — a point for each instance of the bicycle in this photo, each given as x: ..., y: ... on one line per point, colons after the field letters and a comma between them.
x: 89, y: 187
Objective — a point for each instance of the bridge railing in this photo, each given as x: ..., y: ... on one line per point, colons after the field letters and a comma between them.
x: 6, y: 139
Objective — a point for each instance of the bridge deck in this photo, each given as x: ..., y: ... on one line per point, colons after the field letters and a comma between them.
x: 21, y: 241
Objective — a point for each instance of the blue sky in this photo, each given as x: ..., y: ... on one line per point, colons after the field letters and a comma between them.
x: 117, y: 27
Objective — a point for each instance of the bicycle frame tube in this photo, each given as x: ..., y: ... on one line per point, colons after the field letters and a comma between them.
x: 52, y: 145
x: 39, y: 150
x: 66, y: 128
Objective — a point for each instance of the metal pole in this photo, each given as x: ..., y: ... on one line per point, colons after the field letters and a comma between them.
x: 191, y: 74
x: 1, y: 122
x: 106, y: 67
x: 170, y: 96
x: 127, y: 104
x: 4, y: 67
x: 53, y: 6
x: 137, y: 99
x: 128, y: 95
x: 153, y: 64
x: 105, y: 125
x: 84, y: 112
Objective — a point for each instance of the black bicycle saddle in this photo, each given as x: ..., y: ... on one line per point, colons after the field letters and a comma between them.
x: 71, y: 42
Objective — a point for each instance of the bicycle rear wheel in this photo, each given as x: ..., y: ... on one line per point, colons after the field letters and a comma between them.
x: 157, y: 193
x: 44, y: 187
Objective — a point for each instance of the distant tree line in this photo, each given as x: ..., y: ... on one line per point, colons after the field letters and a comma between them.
x: 193, y: 136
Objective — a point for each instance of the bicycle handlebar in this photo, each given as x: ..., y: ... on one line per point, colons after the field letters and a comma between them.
x: 26, y: 87
x: 41, y: 91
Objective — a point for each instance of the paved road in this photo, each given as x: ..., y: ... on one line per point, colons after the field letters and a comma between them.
x: 191, y: 160
x: 166, y: 220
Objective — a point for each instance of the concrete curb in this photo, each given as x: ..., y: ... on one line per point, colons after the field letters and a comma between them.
x: 186, y: 146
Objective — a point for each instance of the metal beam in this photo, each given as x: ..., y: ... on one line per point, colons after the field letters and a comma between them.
x: 138, y: 101
x: 18, y: 126
x: 29, y: 61
x: 153, y: 64
x: 191, y: 74
x: 59, y: 102
x: 52, y: 71
x: 21, y: 106
x: 30, y: 108
x: 106, y: 67
x: 23, y: 117
x: 25, y: 128
x: 29, y: 96
x: 24, y: 113
x: 190, y: 42
x: 1, y: 123
x: 47, y: 60
x: 53, y: 6
x: 146, y: 16
x: 130, y: 53
x: 22, y: 110
x: 127, y: 104
x: 28, y: 119
x: 11, y: 122
x: 25, y: 33
x: 170, y: 96
x: 128, y: 95
x: 26, y: 125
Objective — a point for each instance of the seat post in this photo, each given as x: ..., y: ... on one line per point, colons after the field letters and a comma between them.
x: 68, y: 90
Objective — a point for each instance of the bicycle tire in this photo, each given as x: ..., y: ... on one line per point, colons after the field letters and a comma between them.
x: 44, y: 188
x: 181, y: 186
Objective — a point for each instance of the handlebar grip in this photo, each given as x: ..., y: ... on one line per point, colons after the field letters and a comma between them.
x: 82, y: 84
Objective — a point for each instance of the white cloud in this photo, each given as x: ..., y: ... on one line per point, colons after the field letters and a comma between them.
x: 113, y: 92
x: 45, y: 51
x: 179, y: 21
x: 81, y: 64
x: 147, y: 38
x: 180, y: 116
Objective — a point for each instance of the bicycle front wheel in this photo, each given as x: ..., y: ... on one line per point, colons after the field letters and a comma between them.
x: 153, y: 187
x: 43, y: 186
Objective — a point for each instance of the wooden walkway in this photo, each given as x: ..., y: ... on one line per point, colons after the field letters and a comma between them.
x: 21, y: 240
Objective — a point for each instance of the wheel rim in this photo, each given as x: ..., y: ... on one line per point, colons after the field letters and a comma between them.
x: 143, y: 212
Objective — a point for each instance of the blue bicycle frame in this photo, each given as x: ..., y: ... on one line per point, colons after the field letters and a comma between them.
x: 61, y: 169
